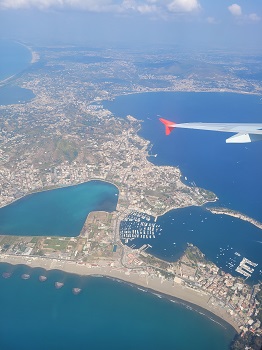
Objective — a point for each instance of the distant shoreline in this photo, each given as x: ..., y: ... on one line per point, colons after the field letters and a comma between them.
x: 34, y: 58
x: 168, y: 289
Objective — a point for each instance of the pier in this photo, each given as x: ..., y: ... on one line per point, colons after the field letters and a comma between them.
x: 244, y: 268
x: 138, y: 225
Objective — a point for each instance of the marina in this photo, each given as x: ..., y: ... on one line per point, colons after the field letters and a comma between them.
x: 245, y: 269
x: 138, y: 225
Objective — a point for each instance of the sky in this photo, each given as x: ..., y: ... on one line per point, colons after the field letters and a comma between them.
x: 130, y: 23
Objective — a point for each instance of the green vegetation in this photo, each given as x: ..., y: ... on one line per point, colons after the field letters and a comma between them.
x: 56, y: 244
x: 153, y: 261
x: 210, y: 196
x: 8, y: 240
x: 195, y: 255
x: 35, y: 240
x: 68, y: 150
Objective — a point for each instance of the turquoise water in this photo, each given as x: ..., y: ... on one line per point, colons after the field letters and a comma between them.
x: 60, y: 212
x: 105, y: 315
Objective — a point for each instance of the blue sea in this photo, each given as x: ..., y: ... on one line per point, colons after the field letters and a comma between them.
x: 14, y: 59
x: 12, y: 94
x: 232, y: 171
x: 109, y: 314
x: 223, y: 239
x: 105, y: 315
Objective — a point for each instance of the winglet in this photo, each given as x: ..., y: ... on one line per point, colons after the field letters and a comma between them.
x: 169, y: 125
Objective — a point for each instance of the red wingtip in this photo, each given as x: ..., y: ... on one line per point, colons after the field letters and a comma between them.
x: 169, y: 125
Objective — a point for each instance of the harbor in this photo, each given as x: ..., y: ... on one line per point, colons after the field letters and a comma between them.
x: 246, y: 267
x: 138, y: 225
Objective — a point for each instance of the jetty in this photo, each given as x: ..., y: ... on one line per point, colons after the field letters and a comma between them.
x: 235, y: 214
x: 244, y: 268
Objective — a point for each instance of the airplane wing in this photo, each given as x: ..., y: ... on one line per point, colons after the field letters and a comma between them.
x: 244, y: 132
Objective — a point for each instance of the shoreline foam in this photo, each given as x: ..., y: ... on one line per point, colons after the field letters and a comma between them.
x: 167, y: 289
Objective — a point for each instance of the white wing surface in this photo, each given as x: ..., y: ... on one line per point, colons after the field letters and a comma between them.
x: 244, y: 132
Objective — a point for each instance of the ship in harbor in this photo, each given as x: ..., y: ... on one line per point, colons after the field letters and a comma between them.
x: 138, y: 225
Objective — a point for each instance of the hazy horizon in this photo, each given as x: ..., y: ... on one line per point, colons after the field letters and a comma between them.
x: 194, y: 24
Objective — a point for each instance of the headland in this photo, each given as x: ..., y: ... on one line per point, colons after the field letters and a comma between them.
x: 235, y: 214
x: 99, y: 251
x: 65, y: 136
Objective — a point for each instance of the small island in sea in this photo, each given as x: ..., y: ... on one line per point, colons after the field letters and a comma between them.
x: 64, y: 136
x: 98, y: 250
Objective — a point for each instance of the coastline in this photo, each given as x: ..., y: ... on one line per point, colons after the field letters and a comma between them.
x: 197, y: 90
x: 168, y: 289
x: 135, y: 278
x: 51, y: 188
x: 235, y: 214
x: 35, y: 57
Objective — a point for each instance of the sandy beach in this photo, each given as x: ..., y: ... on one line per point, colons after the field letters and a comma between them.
x: 139, y: 278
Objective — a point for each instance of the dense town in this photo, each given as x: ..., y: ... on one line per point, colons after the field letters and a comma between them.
x: 227, y: 296
x: 74, y: 139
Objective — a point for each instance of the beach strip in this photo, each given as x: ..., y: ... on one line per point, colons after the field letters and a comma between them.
x: 163, y: 286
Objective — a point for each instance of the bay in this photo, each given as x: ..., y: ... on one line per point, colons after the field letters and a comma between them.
x: 12, y: 94
x: 232, y: 171
x: 59, y: 212
x: 105, y: 314
x: 14, y: 58
x: 223, y: 239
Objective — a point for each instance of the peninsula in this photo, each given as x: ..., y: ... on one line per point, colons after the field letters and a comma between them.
x: 99, y: 251
x: 235, y: 214
x: 65, y: 136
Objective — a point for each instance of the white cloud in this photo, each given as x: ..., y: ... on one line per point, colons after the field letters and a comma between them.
x: 147, y: 8
x: 89, y: 5
x: 118, y: 6
x: 183, y: 6
x: 235, y: 10
x: 254, y: 17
